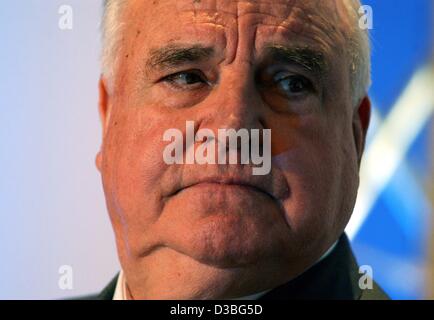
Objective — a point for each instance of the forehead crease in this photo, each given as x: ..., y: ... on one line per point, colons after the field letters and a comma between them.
x: 314, y: 22
x: 215, y: 9
x: 314, y: 25
x: 310, y: 17
x: 279, y: 8
x: 237, y: 8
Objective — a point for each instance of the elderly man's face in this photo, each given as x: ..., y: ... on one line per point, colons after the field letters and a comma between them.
x: 279, y: 65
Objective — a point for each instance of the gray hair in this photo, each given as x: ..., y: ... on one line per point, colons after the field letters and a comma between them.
x: 359, y: 46
x: 111, y: 30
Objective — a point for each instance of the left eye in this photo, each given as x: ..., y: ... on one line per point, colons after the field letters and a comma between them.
x: 185, y: 79
x: 293, y: 84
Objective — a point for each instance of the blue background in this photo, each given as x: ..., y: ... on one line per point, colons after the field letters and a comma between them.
x: 394, y: 237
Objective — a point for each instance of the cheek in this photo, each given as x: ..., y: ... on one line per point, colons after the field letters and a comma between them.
x: 322, y: 177
x: 309, y: 176
x: 132, y: 168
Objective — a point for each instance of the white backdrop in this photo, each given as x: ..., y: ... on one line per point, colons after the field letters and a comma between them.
x: 52, y: 210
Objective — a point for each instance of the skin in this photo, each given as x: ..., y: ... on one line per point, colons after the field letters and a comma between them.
x: 223, y: 240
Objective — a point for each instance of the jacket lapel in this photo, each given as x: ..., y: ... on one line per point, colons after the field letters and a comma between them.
x: 334, y: 277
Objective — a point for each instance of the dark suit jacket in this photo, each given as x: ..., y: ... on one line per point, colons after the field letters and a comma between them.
x: 335, y: 277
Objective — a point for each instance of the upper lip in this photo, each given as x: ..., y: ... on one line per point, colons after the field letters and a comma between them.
x: 255, y: 182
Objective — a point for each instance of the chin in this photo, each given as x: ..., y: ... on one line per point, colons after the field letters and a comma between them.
x: 233, y: 240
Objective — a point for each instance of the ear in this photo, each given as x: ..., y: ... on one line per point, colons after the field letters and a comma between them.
x: 361, y: 118
x: 104, y: 115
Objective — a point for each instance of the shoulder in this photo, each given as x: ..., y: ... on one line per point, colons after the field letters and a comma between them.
x: 376, y: 293
x: 106, y: 294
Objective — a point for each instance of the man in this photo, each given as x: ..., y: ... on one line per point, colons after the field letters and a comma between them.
x: 300, y: 69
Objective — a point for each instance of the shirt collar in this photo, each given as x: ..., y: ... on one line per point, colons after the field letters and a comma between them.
x: 120, y: 290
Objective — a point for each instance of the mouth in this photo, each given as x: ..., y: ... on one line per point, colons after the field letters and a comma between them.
x: 229, y: 183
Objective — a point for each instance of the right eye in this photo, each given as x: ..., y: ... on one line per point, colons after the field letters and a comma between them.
x: 186, y: 80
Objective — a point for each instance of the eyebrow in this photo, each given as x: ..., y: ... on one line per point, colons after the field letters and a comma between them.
x: 174, y: 55
x: 310, y: 59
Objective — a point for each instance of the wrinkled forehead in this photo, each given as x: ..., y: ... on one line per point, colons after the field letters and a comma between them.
x: 324, y: 23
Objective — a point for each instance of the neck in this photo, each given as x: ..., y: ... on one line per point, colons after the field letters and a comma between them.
x: 175, y: 276
x: 187, y: 279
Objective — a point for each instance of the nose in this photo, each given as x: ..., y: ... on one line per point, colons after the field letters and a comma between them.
x: 235, y: 102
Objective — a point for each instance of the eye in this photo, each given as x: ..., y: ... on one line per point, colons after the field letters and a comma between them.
x: 293, y: 85
x: 186, y: 79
